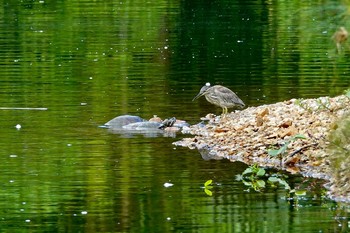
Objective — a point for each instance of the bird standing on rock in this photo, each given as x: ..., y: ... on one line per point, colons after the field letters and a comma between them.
x: 220, y: 96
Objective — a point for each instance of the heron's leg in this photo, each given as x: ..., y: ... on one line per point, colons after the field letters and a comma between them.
x: 338, y: 47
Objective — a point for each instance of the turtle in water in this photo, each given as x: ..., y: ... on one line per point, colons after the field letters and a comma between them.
x: 120, y: 121
x: 129, y: 122
x: 129, y: 125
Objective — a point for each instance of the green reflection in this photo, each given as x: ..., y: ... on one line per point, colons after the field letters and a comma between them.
x: 89, y: 61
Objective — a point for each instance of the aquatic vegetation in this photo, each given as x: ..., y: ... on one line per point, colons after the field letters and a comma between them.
x: 257, y: 178
x: 207, y: 187
x: 253, y: 177
x: 276, y: 179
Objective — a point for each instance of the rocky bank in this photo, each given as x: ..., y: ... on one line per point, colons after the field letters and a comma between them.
x: 292, y: 135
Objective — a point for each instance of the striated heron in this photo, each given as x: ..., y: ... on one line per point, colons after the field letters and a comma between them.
x: 339, y: 37
x: 220, y: 96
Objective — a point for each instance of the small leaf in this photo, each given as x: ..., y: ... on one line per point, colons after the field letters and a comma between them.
x: 272, y: 152
x: 281, y: 150
x: 285, y: 184
x: 208, y: 182
x: 239, y: 177
x: 347, y: 92
x: 208, y: 192
x: 273, y: 179
x: 299, y: 136
x: 300, y: 192
x: 261, y: 172
x: 260, y: 183
x: 247, y: 171
x: 247, y: 183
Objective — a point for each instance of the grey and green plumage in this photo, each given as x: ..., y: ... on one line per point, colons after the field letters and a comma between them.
x: 220, y: 96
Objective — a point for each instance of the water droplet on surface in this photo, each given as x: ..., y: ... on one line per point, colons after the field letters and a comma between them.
x: 166, y: 185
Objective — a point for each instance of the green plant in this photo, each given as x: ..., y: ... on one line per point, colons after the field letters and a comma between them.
x: 253, y: 177
x: 256, y: 177
x: 276, y: 178
x: 347, y: 93
x: 207, y: 187
x: 301, y: 103
x: 280, y: 152
x: 323, y: 105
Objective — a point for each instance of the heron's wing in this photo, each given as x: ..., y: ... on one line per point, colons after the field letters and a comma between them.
x: 226, y: 95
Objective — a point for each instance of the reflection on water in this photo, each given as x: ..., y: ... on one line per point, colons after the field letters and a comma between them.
x: 88, y: 62
x: 150, y: 133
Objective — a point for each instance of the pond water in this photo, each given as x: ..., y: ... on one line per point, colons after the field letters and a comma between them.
x: 89, y: 61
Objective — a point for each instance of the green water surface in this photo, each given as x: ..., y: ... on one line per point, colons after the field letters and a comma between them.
x: 89, y: 61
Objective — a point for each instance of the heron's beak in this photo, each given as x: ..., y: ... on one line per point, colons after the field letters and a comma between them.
x: 197, y: 96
